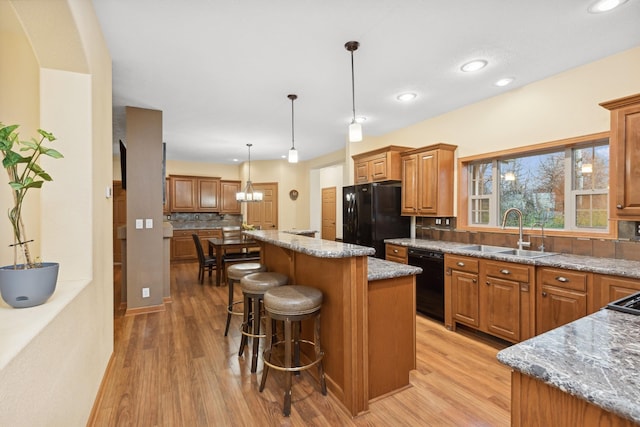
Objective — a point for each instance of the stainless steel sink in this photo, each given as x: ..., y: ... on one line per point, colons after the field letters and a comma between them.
x: 524, y: 253
x: 486, y: 248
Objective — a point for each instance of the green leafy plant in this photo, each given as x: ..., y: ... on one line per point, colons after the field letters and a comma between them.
x: 20, y: 160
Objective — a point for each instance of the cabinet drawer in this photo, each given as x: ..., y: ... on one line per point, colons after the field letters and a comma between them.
x: 508, y: 271
x: 184, y: 233
x: 209, y: 233
x: 397, y: 251
x: 461, y: 263
x: 564, y: 279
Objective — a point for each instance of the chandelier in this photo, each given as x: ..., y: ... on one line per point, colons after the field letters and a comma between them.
x: 249, y: 194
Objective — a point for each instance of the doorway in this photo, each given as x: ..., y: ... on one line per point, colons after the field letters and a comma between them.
x: 328, y: 231
x: 264, y: 214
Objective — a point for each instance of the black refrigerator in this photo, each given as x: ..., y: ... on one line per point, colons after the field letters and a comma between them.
x: 371, y: 213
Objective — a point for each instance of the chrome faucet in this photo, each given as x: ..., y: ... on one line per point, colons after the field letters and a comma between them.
x: 521, y: 243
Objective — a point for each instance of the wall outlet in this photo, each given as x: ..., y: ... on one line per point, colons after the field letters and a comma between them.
x: 145, y: 292
x: 637, y: 228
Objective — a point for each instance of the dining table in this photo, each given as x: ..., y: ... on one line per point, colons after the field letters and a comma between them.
x: 218, y: 246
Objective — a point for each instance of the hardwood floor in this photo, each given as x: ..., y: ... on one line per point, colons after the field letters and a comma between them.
x: 175, y: 368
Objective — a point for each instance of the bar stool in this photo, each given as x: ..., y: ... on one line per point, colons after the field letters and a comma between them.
x: 254, y: 286
x: 292, y: 304
x: 236, y: 272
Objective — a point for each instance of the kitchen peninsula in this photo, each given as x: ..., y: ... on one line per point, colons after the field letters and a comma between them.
x: 368, y: 312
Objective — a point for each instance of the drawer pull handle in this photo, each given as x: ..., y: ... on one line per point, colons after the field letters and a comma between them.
x: 395, y: 251
x: 505, y: 271
x: 544, y: 294
x: 460, y: 264
x: 474, y: 280
x: 562, y: 279
x: 619, y: 206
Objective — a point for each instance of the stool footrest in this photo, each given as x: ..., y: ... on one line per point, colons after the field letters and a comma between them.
x: 266, y: 356
x: 235, y: 313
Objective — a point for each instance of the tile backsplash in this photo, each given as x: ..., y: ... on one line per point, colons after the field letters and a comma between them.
x: 202, y: 220
x: 627, y: 246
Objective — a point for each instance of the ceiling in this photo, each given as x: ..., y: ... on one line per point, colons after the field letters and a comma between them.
x: 221, y: 70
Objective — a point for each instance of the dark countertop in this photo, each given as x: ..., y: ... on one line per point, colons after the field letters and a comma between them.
x: 616, y: 267
x: 595, y: 358
x: 309, y: 245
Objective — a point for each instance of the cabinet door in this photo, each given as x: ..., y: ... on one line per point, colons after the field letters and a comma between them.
x: 378, y: 168
x: 208, y: 194
x: 228, y: 202
x: 503, y: 308
x: 613, y: 288
x: 428, y: 182
x: 396, y: 253
x: 465, y: 298
x: 557, y: 307
x: 182, y: 246
x: 183, y: 191
x: 409, y: 184
x: 166, y: 206
x: 361, y: 172
x: 626, y: 131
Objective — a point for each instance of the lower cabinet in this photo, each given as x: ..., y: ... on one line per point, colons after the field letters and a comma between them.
x: 397, y: 253
x: 561, y: 297
x: 183, y: 248
x: 611, y: 288
x: 494, y: 297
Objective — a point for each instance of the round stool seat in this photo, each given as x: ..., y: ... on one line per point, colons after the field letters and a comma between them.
x: 292, y: 300
x: 259, y: 283
x: 238, y: 271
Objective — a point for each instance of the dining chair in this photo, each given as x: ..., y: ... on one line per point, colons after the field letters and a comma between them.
x: 205, y: 261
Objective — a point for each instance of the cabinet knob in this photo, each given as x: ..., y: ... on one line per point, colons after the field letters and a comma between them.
x: 395, y: 251
x: 619, y: 206
x: 544, y: 294
x: 505, y: 271
x: 562, y: 279
x: 488, y: 283
x: 474, y: 280
x: 460, y: 264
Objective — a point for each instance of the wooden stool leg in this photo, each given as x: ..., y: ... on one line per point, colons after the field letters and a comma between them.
x: 245, y: 324
x: 287, y: 364
x: 318, y: 353
x: 267, y: 349
x: 257, y: 302
x: 229, y: 307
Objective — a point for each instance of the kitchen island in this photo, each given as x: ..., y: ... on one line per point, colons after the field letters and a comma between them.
x: 584, y: 373
x: 368, y: 312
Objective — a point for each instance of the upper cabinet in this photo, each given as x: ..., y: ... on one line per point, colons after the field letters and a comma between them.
x: 228, y: 202
x: 194, y: 194
x: 379, y: 165
x: 427, y: 180
x: 624, y: 146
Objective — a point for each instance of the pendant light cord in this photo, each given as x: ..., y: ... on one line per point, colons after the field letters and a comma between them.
x: 293, y: 145
x: 353, y: 89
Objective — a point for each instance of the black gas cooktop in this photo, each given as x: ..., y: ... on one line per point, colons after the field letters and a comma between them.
x: 630, y: 304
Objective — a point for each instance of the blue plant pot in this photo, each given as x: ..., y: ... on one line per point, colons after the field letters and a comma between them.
x: 23, y: 288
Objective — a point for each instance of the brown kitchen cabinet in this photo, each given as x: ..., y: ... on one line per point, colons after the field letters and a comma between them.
x: 397, y: 253
x: 183, y: 249
x: 624, y: 146
x: 611, y: 288
x: 378, y: 165
x: 194, y: 193
x: 494, y: 297
x: 166, y: 202
x: 228, y: 202
x: 427, y: 180
x: 562, y: 297
x: 208, y: 194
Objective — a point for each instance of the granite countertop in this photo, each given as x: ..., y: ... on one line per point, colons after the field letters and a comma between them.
x: 595, y: 358
x: 300, y: 231
x: 309, y: 245
x: 616, y: 267
x: 380, y: 269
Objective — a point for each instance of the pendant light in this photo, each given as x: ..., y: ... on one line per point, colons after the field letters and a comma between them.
x: 249, y: 194
x: 293, y: 153
x: 355, y: 129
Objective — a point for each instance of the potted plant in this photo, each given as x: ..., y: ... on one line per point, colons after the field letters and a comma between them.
x: 30, y: 282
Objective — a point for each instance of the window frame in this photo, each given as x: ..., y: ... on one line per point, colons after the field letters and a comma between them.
x: 464, y: 196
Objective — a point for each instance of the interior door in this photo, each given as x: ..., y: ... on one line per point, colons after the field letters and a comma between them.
x: 264, y: 214
x: 119, y: 218
x: 328, y: 231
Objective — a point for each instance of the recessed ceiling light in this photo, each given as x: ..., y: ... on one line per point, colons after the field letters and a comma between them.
x: 475, y: 65
x: 407, y: 96
x: 503, y: 82
x: 602, y: 6
x: 235, y: 160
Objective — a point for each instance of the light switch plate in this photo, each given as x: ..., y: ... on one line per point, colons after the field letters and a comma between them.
x: 149, y: 223
x: 138, y: 224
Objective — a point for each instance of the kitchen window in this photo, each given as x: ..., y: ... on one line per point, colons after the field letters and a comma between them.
x: 562, y: 186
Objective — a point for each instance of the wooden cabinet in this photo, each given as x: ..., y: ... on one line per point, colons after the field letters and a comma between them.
x: 624, y: 146
x: 228, y: 202
x: 492, y: 296
x: 507, y: 306
x: 166, y: 202
x: 378, y: 165
x: 562, y: 297
x: 397, y: 253
x: 461, y: 294
x: 427, y: 180
x: 611, y: 288
x: 183, y: 248
x: 194, y: 194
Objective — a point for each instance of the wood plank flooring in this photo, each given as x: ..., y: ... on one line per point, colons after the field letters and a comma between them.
x: 175, y: 368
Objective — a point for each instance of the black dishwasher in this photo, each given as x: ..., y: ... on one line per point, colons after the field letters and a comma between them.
x: 430, y: 283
